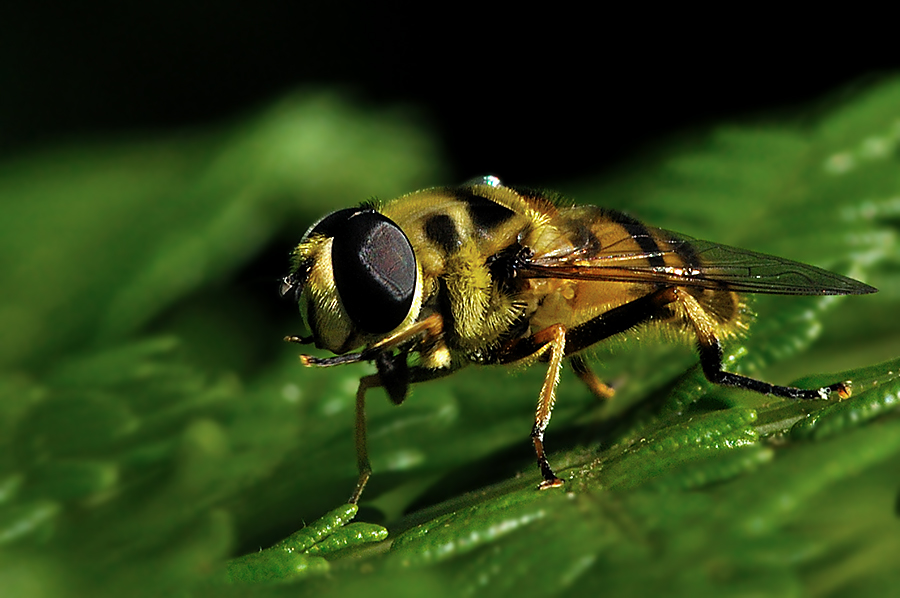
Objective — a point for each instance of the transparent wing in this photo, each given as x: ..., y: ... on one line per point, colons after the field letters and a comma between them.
x: 670, y: 258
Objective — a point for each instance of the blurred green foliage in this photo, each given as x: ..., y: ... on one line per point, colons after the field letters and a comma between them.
x: 154, y: 427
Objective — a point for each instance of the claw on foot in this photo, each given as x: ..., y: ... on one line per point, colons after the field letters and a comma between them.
x: 554, y: 483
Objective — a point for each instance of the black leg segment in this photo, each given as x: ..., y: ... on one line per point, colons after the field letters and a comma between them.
x: 711, y: 361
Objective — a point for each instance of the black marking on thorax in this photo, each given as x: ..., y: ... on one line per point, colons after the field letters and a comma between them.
x: 485, y: 215
x: 440, y: 230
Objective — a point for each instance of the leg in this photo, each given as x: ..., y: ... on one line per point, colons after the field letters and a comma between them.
x: 711, y: 360
x: 556, y: 344
x: 394, y: 375
x: 562, y: 343
x: 411, y: 375
x: 362, y: 452
x: 590, y: 379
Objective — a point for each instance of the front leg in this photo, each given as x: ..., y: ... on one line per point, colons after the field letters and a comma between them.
x: 424, y: 337
x: 362, y: 451
x: 412, y: 375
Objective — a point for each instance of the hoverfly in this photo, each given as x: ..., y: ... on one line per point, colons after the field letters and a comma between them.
x: 488, y: 274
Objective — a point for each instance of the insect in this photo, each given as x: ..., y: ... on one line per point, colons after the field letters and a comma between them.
x: 487, y: 274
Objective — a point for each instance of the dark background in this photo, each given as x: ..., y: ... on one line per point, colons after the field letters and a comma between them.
x: 533, y: 97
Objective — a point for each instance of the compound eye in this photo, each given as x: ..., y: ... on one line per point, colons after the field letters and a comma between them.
x: 374, y: 270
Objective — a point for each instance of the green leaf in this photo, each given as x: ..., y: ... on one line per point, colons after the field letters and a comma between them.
x: 301, y: 554
x: 156, y: 433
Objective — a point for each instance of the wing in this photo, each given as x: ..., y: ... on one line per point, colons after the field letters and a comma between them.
x: 669, y: 258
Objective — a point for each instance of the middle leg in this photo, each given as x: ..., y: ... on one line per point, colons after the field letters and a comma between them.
x: 554, y: 340
x: 562, y: 343
x: 584, y: 372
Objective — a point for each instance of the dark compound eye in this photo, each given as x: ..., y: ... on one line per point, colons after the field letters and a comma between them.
x: 374, y: 268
